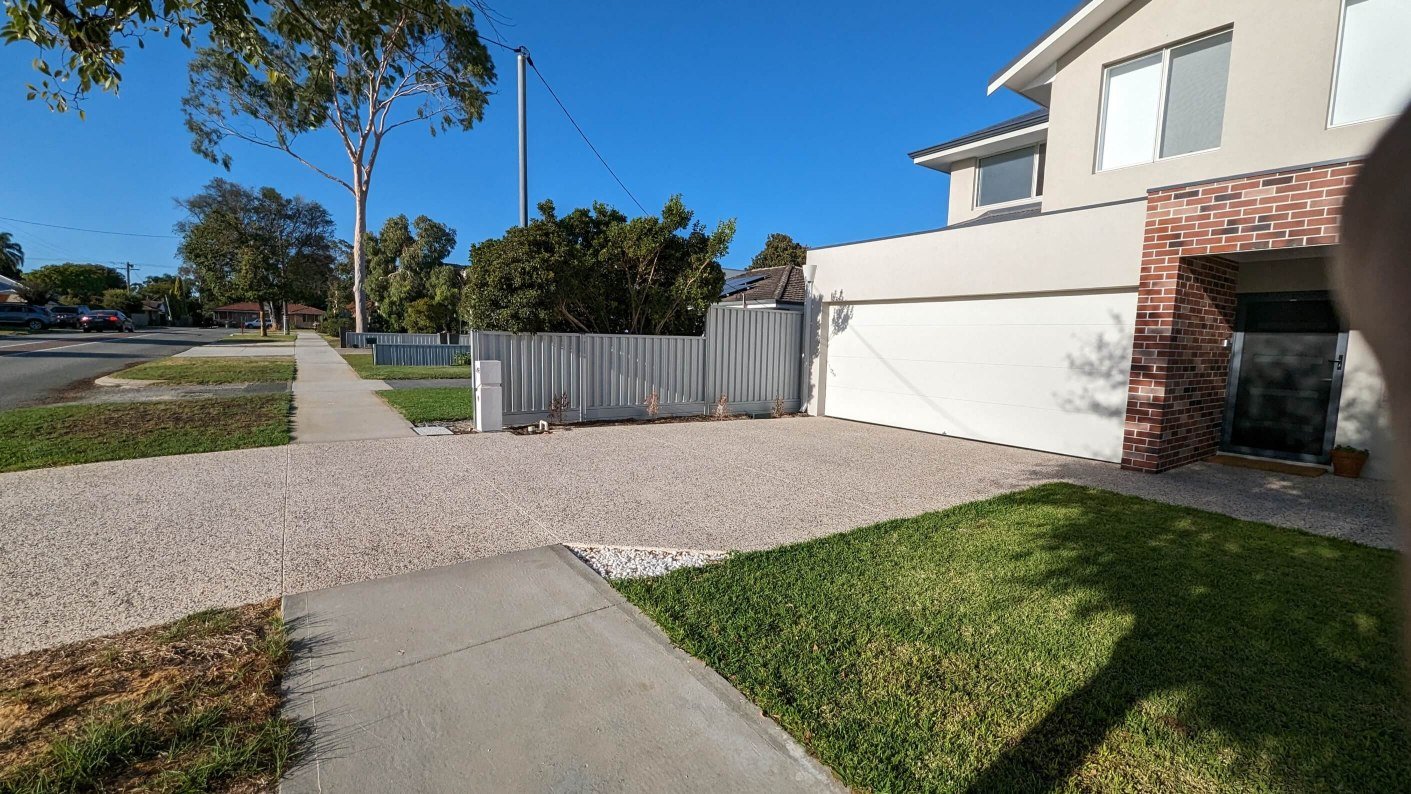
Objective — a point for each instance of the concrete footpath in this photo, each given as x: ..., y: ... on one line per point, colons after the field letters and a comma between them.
x: 521, y: 672
x: 331, y: 403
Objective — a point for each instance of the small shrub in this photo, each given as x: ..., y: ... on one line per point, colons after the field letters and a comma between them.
x: 653, y: 404
x: 778, y: 408
x: 722, y: 406
x: 335, y: 324
x: 557, y: 406
x: 462, y: 360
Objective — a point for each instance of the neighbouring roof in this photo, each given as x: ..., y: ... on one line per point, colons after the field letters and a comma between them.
x: 784, y: 284
x: 8, y: 284
x: 251, y: 306
x: 1031, y: 119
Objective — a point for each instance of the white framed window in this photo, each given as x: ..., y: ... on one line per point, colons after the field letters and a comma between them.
x: 1372, y: 78
x: 1165, y: 104
x: 1009, y: 177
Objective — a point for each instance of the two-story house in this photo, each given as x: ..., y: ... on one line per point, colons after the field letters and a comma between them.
x: 1136, y: 270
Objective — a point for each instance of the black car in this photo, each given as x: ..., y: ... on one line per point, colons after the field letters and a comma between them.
x: 105, y: 320
x: 23, y: 315
x: 67, y: 316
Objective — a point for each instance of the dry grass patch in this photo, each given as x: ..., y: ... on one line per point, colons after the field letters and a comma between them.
x: 211, y: 370
x: 189, y: 706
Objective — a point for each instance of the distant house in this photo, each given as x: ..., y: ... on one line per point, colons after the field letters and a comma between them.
x: 9, y: 290
x: 765, y: 288
x: 236, y: 314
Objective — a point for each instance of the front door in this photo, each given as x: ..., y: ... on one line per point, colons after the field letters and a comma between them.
x: 1285, y: 376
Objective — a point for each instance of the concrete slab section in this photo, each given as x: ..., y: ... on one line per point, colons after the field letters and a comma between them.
x: 331, y: 403
x: 526, y: 673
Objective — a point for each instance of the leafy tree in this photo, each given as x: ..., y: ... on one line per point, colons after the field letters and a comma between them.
x: 258, y: 245
x: 11, y: 256
x: 76, y: 283
x: 406, y: 264
x: 170, y: 288
x: 120, y: 299
x: 358, y: 69
x: 595, y: 271
x: 83, y: 43
x: 779, y: 250
x: 37, y: 294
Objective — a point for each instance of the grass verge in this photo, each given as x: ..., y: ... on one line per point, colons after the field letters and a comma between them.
x: 61, y: 435
x: 432, y: 405
x: 207, y: 371
x: 189, y: 706
x: 362, y: 364
x: 254, y: 338
x: 1064, y: 638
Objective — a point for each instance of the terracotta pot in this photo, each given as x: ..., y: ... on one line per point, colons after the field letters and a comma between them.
x: 1348, y: 464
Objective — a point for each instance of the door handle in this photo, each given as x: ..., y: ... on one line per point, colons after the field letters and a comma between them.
x: 1337, y: 362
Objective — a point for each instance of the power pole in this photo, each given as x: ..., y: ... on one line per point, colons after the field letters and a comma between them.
x: 522, y: 58
x: 129, y: 267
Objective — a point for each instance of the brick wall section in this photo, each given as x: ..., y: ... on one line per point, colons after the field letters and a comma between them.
x: 1186, y: 298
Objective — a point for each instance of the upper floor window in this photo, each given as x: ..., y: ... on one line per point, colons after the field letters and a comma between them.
x: 1374, y: 68
x: 1165, y: 104
x: 1010, y: 176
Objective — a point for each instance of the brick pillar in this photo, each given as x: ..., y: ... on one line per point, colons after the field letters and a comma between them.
x: 1180, y: 362
x: 1186, y: 297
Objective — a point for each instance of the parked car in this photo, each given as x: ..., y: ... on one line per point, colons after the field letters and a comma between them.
x: 24, y: 315
x: 256, y: 324
x: 67, y: 316
x: 105, y: 320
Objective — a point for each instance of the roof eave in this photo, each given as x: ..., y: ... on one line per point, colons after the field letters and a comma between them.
x: 1021, y: 74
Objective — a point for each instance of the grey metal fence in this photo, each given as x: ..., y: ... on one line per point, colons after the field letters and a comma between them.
x: 353, y: 339
x: 751, y: 356
x: 418, y: 355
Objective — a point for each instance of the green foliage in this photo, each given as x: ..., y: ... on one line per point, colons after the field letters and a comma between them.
x: 408, y: 280
x: 239, y: 243
x: 11, y: 256
x: 1066, y: 639
x: 596, y: 271
x: 207, y: 370
x: 76, y: 283
x: 121, y: 300
x: 779, y: 250
x: 335, y: 324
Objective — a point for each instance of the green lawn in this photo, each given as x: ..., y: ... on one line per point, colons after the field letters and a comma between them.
x: 32, y: 438
x: 432, y: 405
x: 1064, y: 638
x: 253, y: 337
x: 362, y: 364
x: 213, y: 370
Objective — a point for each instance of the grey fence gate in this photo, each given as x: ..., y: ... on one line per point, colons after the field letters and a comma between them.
x: 751, y: 357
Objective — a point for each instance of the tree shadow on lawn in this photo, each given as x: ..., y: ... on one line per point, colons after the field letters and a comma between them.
x: 1277, y: 650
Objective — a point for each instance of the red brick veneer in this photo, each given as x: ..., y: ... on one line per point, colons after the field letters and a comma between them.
x: 1186, y: 298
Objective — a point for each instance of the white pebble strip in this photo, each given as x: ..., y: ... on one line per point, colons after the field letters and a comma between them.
x: 633, y: 562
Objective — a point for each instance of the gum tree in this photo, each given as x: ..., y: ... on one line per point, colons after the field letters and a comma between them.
x: 357, y: 70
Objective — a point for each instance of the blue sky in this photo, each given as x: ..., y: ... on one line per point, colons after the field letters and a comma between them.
x: 788, y: 120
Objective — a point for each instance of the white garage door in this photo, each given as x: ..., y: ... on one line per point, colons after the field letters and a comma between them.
x: 1045, y: 372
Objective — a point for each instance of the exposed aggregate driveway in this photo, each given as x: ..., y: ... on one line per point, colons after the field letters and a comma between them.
x: 104, y: 547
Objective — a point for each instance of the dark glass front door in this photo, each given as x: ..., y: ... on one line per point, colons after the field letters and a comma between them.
x: 1286, y: 373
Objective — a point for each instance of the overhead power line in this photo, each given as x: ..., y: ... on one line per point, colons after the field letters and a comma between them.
x: 90, y: 231
x: 584, y: 135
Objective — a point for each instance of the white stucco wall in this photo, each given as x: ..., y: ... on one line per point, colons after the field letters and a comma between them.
x: 1085, y: 250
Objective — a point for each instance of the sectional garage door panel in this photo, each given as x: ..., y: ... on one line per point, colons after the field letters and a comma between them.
x: 1044, y: 372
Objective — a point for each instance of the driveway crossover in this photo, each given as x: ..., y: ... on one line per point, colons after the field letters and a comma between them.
x: 109, y: 546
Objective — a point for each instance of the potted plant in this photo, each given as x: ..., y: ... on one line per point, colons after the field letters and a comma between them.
x: 1348, y: 461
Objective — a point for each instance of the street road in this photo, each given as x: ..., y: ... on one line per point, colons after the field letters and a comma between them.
x: 40, y: 368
